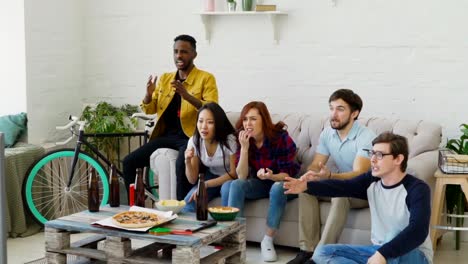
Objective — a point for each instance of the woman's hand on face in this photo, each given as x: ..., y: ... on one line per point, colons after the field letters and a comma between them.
x: 265, y: 174
x: 244, y: 139
x: 189, y: 153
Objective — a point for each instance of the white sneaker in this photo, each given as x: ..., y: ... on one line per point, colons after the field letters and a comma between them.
x: 268, y: 252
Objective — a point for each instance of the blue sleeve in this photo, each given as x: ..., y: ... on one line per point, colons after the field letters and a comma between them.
x: 355, y: 187
x: 419, y: 206
x: 322, y: 148
x: 364, y: 141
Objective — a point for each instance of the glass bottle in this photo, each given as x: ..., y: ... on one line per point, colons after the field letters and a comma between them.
x: 202, y: 199
x: 93, y: 191
x: 114, y: 196
x: 247, y: 5
x: 139, y: 188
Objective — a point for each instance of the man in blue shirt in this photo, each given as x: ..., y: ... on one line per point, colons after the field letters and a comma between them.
x: 344, y: 142
x: 399, y: 204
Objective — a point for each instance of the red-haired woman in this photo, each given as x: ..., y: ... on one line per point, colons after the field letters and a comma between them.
x: 266, y: 156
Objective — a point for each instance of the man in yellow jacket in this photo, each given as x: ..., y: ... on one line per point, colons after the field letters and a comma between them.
x: 175, y: 99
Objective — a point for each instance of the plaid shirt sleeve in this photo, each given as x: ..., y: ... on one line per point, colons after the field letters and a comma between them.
x: 285, y: 155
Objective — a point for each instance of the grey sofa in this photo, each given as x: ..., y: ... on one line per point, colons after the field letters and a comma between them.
x: 423, y: 138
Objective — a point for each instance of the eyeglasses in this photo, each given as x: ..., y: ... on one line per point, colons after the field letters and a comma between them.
x: 379, y: 155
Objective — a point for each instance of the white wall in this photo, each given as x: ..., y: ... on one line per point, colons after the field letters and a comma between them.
x: 54, y: 55
x: 407, y: 59
x: 12, y: 62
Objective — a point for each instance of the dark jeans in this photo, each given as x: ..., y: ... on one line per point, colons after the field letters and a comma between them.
x: 140, y: 159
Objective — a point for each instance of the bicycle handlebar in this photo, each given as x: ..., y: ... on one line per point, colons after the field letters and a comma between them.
x: 144, y: 116
x: 73, y: 122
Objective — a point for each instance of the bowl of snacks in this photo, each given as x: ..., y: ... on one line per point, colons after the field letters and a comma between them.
x: 170, y: 205
x: 223, y: 213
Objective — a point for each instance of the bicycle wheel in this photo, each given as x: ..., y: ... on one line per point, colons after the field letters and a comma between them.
x: 45, y: 190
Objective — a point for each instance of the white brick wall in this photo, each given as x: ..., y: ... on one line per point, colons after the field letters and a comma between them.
x: 407, y: 59
x: 12, y: 62
x: 54, y: 65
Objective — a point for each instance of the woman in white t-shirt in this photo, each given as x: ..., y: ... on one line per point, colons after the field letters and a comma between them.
x: 213, y: 145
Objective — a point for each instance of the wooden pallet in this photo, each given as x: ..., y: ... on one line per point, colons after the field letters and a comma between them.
x: 116, y: 247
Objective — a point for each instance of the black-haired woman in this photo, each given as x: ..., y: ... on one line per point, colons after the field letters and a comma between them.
x: 213, y: 145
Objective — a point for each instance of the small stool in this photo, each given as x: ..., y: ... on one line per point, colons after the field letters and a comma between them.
x: 442, y: 180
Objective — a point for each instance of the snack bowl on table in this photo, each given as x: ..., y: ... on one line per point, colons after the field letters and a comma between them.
x: 170, y: 205
x: 223, y: 213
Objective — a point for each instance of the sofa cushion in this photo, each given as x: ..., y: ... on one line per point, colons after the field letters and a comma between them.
x: 422, y: 135
x: 12, y: 126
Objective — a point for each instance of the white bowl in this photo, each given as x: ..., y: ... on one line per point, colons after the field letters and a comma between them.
x: 170, y: 205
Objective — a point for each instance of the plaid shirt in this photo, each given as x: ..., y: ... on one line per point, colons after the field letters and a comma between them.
x: 278, y: 156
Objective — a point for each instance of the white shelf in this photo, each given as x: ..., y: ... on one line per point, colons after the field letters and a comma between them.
x: 207, y: 19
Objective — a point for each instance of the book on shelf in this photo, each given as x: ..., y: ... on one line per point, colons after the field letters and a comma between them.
x: 260, y: 8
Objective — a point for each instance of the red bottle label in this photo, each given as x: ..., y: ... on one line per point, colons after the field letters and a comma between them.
x: 131, y: 195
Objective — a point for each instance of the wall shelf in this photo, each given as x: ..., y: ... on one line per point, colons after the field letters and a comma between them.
x: 207, y: 19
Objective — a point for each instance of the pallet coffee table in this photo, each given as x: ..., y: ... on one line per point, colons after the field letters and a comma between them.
x: 114, y: 246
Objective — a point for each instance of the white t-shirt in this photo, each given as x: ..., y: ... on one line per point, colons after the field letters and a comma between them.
x: 215, y: 163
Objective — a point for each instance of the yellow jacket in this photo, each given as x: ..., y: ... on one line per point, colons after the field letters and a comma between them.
x: 200, y: 84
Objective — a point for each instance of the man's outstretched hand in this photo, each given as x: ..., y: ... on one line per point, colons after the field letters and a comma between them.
x: 294, y: 186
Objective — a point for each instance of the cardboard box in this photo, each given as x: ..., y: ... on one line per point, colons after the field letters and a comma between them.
x: 260, y: 8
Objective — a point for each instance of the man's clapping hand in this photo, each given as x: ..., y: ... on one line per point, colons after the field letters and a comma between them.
x: 180, y: 89
x: 150, y: 87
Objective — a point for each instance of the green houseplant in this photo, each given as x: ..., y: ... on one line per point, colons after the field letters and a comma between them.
x: 454, y: 197
x: 231, y: 5
x: 107, y: 118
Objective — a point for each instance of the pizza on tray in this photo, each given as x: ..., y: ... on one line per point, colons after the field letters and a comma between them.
x: 135, y: 219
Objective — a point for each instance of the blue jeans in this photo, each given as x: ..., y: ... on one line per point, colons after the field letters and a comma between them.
x: 254, y: 189
x: 354, y: 254
x: 212, y: 192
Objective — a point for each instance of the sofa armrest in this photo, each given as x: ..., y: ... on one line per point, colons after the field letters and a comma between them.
x: 162, y: 163
x: 424, y: 166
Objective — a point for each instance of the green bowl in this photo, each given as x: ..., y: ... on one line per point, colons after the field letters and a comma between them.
x: 223, y: 213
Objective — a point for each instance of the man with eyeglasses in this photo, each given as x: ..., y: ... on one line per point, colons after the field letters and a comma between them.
x: 344, y: 142
x: 399, y: 204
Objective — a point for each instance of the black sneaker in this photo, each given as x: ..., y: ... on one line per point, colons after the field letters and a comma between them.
x: 302, y: 258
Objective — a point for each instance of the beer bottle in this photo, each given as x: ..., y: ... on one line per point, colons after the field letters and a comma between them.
x: 139, y: 188
x: 114, y: 197
x: 93, y: 191
x: 202, y: 199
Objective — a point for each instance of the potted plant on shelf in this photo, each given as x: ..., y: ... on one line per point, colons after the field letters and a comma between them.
x: 454, y: 197
x: 231, y: 4
x: 107, y: 118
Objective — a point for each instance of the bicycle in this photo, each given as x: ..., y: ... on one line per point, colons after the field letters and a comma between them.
x: 56, y: 184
